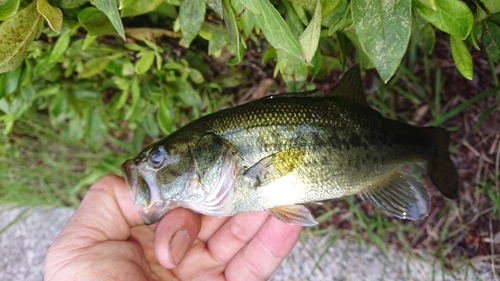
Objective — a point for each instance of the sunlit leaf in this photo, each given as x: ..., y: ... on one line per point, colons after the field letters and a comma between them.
x: 164, y: 118
x: 383, y: 29
x: 8, y: 8
x: 61, y: 46
x: 450, y: 16
x: 250, y: 5
x: 135, y: 8
x: 52, y: 14
x: 145, y: 62
x: 428, y: 3
x: 96, y: 66
x: 493, y: 6
x: 191, y: 17
x: 276, y: 30
x: 146, y: 33
x: 217, y: 41
x: 292, y: 69
x: 187, y: 93
x: 9, y: 82
x: 309, y: 39
x: 95, y: 21
x: 232, y: 29
x: 216, y: 5
x: 16, y: 35
x: 110, y: 9
x: 308, y: 4
x: 461, y: 57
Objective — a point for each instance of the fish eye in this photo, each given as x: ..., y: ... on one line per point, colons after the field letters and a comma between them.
x: 157, y: 156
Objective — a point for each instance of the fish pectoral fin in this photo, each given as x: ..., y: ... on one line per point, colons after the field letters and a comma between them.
x: 400, y: 195
x: 275, y: 166
x: 293, y: 214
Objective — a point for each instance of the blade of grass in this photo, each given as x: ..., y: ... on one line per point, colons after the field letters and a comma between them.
x: 459, y: 108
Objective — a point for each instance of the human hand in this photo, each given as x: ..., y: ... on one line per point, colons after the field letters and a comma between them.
x: 107, y: 239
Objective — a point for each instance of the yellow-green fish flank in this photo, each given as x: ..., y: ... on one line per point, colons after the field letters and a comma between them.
x: 283, y: 151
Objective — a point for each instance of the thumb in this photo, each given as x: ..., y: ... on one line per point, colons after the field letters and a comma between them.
x: 106, y: 213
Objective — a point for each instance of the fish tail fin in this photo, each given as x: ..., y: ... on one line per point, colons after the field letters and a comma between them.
x: 440, y: 168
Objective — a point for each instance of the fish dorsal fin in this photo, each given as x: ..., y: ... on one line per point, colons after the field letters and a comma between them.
x: 293, y: 214
x: 400, y: 195
x: 308, y: 94
x: 350, y: 87
x: 275, y: 166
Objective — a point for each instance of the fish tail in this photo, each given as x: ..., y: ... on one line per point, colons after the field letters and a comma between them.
x: 441, y: 169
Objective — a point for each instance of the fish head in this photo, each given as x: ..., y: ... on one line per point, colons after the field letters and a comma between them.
x: 157, y: 179
x: 197, y: 173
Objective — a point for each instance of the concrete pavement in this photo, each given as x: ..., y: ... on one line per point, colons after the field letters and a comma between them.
x: 23, y: 245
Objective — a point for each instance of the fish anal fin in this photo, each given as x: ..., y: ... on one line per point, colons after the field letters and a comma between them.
x: 400, y: 195
x: 275, y: 166
x: 350, y: 87
x: 293, y: 214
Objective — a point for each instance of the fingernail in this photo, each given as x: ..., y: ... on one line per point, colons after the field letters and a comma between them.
x: 179, y: 245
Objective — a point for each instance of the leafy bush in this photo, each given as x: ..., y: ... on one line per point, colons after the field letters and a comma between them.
x: 94, y: 82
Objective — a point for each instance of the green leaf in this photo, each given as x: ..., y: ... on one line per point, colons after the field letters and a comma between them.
x: 70, y: 4
x: 96, y: 22
x: 461, y: 56
x: 276, y: 30
x: 250, y: 5
x: 425, y: 37
x: 191, y: 17
x: 146, y: 33
x: 8, y: 8
x: 217, y: 41
x: 53, y: 15
x: 187, y: 94
x: 292, y: 19
x: 383, y: 29
x: 292, y: 69
x: 164, y: 117
x: 96, y: 66
x: 450, y: 16
x: 232, y: 29
x: 9, y: 82
x: 145, y: 62
x: 431, y: 4
x: 216, y: 5
x: 60, y: 47
x: 196, y: 76
x: 309, y: 39
x: 491, y: 40
x: 16, y: 35
x: 360, y: 56
x: 493, y: 6
x: 110, y: 9
x: 308, y: 4
x: 135, y: 8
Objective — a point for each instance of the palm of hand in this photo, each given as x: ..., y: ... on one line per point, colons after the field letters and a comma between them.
x: 106, y: 238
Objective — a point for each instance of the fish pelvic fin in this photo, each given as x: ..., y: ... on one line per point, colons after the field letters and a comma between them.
x: 440, y: 168
x: 400, y: 195
x: 293, y: 214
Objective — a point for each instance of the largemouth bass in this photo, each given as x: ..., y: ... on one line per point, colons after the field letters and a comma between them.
x: 283, y: 151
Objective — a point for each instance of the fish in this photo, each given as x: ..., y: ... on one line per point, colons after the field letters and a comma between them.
x: 285, y: 151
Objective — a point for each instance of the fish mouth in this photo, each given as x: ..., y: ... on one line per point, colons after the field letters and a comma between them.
x: 145, y: 192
